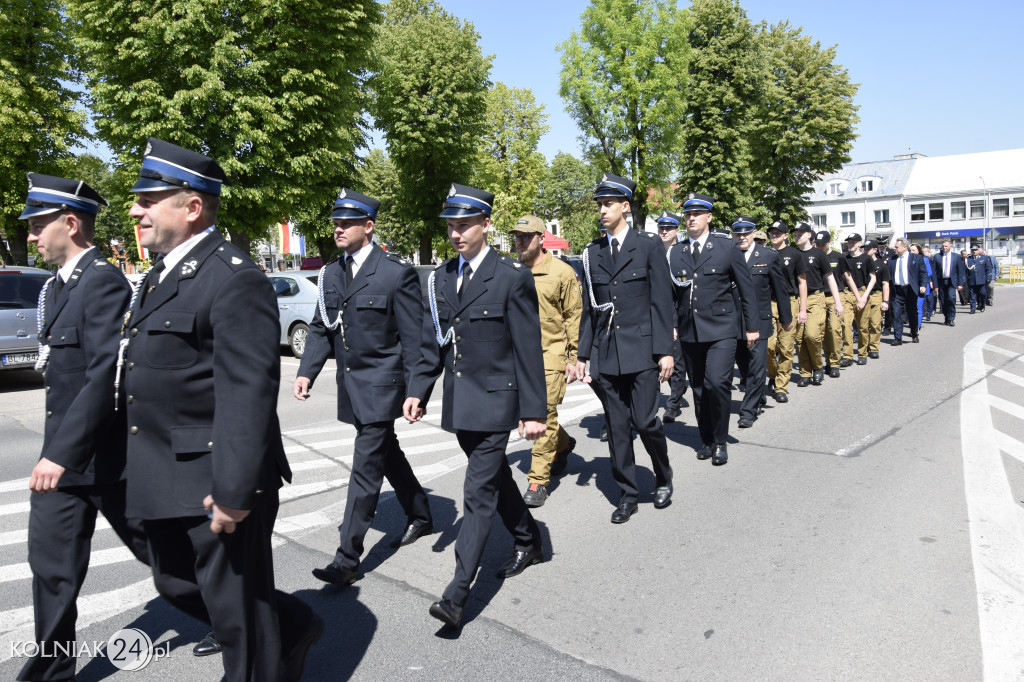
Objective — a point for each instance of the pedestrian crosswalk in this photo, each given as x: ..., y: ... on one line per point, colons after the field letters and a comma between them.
x: 320, y: 455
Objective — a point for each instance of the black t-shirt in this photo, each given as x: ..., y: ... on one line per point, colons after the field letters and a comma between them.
x: 882, y: 273
x: 861, y: 268
x: 818, y: 269
x: 839, y: 269
x: 792, y: 265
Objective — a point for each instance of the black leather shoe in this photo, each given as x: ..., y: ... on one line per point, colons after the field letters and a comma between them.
x: 745, y: 422
x: 412, y: 533
x: 663, y: 496
x: 845, y: 362
x: 704, y: 452
x: 536, y: 495
x: 447, y: 611
x: 207, y: 645
x: 520, y: 561
x: 817, y: 377
x: 671, y: 414
x: 624, y: 511
x: 295, y: 658
x: 897, y: 342
x: 873, y: 354
x: 562, y: 458
x: 834, y: 372
x: 952, y: 323
x: 719, y: 455
x: 916, y: 339
x: 781, y: 398
x: 804, y: 382
x: 862, y: 361
x: 335, y: 574
x: 604, y: 434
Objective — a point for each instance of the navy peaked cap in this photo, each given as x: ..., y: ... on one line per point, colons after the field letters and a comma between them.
x: 614, y: 186
x: 352, y: 204
x: 743, y: 225
x: 698, y: 202
x: 167, y: 166
x: 50, y: 194
x: 464, y: 201
x: 667, y: 218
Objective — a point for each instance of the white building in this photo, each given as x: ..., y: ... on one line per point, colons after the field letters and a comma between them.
x: 968, y: 198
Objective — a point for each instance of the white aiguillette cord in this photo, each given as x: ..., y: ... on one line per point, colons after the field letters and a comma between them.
x: 590, y: 290
x: 122, y: 346
x: 449, y: 336
x: 44, y: 349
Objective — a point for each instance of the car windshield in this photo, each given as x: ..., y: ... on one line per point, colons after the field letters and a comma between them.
x: 20, y: 290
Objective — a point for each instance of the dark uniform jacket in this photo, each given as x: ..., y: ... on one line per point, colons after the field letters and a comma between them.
x: 705, y: 307
x: 203, y: 372
x: 769, y: 284
x: 917, y: 273
x: 957, y: 270
x: 977, y: 270
x: 639, y: 286
x: 382, y: 320
x: 82, y: 432
x: 494, y: 368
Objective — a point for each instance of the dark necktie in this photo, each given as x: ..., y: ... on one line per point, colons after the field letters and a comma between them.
x: 615, y: 250
x: 350, y: 270
x: 152, y: 279
x: 467, y: 272
x: 58, y: 286
x: 696, y: 251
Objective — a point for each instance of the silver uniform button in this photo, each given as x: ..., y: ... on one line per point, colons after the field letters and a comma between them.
x: 210, y: 445
x: 134, y: 430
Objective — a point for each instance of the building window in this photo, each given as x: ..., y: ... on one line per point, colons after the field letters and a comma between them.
x: 1000, y: 208
x: 935, y: 211
x: 917, y: 213
x: 977, y: 208
x: 1018, y: 206
x: 957, y: 210
x: 819, y: 220
x: 867, y: 185
x: 849, y: 217
x: 835, y: 188
x: 882, y: 216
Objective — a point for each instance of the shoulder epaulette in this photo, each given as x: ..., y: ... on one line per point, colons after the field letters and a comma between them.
x: 645, y: 233
x: 510, y: 262
x: 394, y: 258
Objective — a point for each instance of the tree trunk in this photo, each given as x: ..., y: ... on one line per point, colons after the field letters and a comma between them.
x: 426, y: 247
x: 17, y: 239
x: 241, y: 240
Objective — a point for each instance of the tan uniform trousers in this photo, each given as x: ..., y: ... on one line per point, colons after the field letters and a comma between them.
x: 780, y: 348
x: 555, y: 439
x: 846, y: 331
x: 832, y: 341
x: 874, y: 326
x: 863, y: 321
x: 809, y: 335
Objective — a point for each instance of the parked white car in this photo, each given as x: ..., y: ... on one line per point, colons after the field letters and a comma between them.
x: 296, y: 303
x: 19, y: 294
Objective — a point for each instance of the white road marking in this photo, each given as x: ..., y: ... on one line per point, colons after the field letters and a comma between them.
x: 1009, y: 376
x: 100, y: 557
x: 995, y: 521
x: 343, y: 442
x: 1003, y: 351
x: 13, y: 486
x: 14, y: 537
x: 1006, y: 406
x: 854, y: 447
x: 16, y: 508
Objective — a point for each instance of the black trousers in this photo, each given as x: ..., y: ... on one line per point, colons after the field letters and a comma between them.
x: 227, y: 581
x: 709, y: 365
x: 377, y: 456
x: 947, y: 297
x: 60, y: 529
x: 631, y: 400
x: 904, y: 302
x: 979, y: 296
x: 677, y: 382
x: 489, y: 487
x: 753, y: 366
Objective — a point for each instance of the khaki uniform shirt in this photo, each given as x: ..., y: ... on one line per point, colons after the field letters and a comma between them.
x: 558, y: 294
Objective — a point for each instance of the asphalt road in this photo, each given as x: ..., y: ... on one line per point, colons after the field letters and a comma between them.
x: 871, y: 528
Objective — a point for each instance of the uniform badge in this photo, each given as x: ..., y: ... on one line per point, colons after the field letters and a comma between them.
x: 709, y: 245
x: 692, y: 196
x: 30, y: 185
x: 517, y: 264
x: 188, y: 267
x: 235, y: 260
x: 786, y: 261
x: 604, y: 178
x: 344, y: 193
x: 452, y: 191
x: 149, y: 149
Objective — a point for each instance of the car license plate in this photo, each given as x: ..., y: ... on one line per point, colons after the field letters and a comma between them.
x: 13, y: 359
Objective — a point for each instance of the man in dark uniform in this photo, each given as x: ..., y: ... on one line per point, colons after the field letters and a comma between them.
x: 885, y: 254
x: 977, y: 279
x: 79, y: 470
x: 483, y: 331
x: 838, y: 328
x: 769, y: 284
x: 668, y: 230
x: 783, y: 342
x: 910, y: 281
x: 965, y: 293
x: 369, y: 317
x: 993, y: 275
x: 705, y: 268
x: 820, y: 285
x: 626, y: 333
x: 205, y: 459
x: 952, y: 277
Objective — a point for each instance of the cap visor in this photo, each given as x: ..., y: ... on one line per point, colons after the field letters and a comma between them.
x: 152, y: 185
x: 460, y: 212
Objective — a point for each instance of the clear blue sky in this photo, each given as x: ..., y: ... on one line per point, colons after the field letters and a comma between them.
x: 935, y: 77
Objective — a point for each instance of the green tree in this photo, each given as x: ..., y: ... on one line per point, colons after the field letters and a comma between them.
x: 113, y: 221
x: 565, y: 194
x: 509, y: 164
x: 429, y: 99
x: 623, y: 78
x: 380, y: 180
x: 272, y: 95
x: 727, y: 77
x: 39, y: 119
x: 805, y: 121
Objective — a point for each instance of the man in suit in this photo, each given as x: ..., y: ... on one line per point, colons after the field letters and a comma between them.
x: 369, y: 318
x: 977, y: 278
x: 205, y: 458
x: 79, y: 471
x: 626, y: 334
x: 705, y: 268
x: 483, y: 331
x: 909, y: 281
x: 668, y: 230
x: 951, y: 274
x: 769, y: 284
